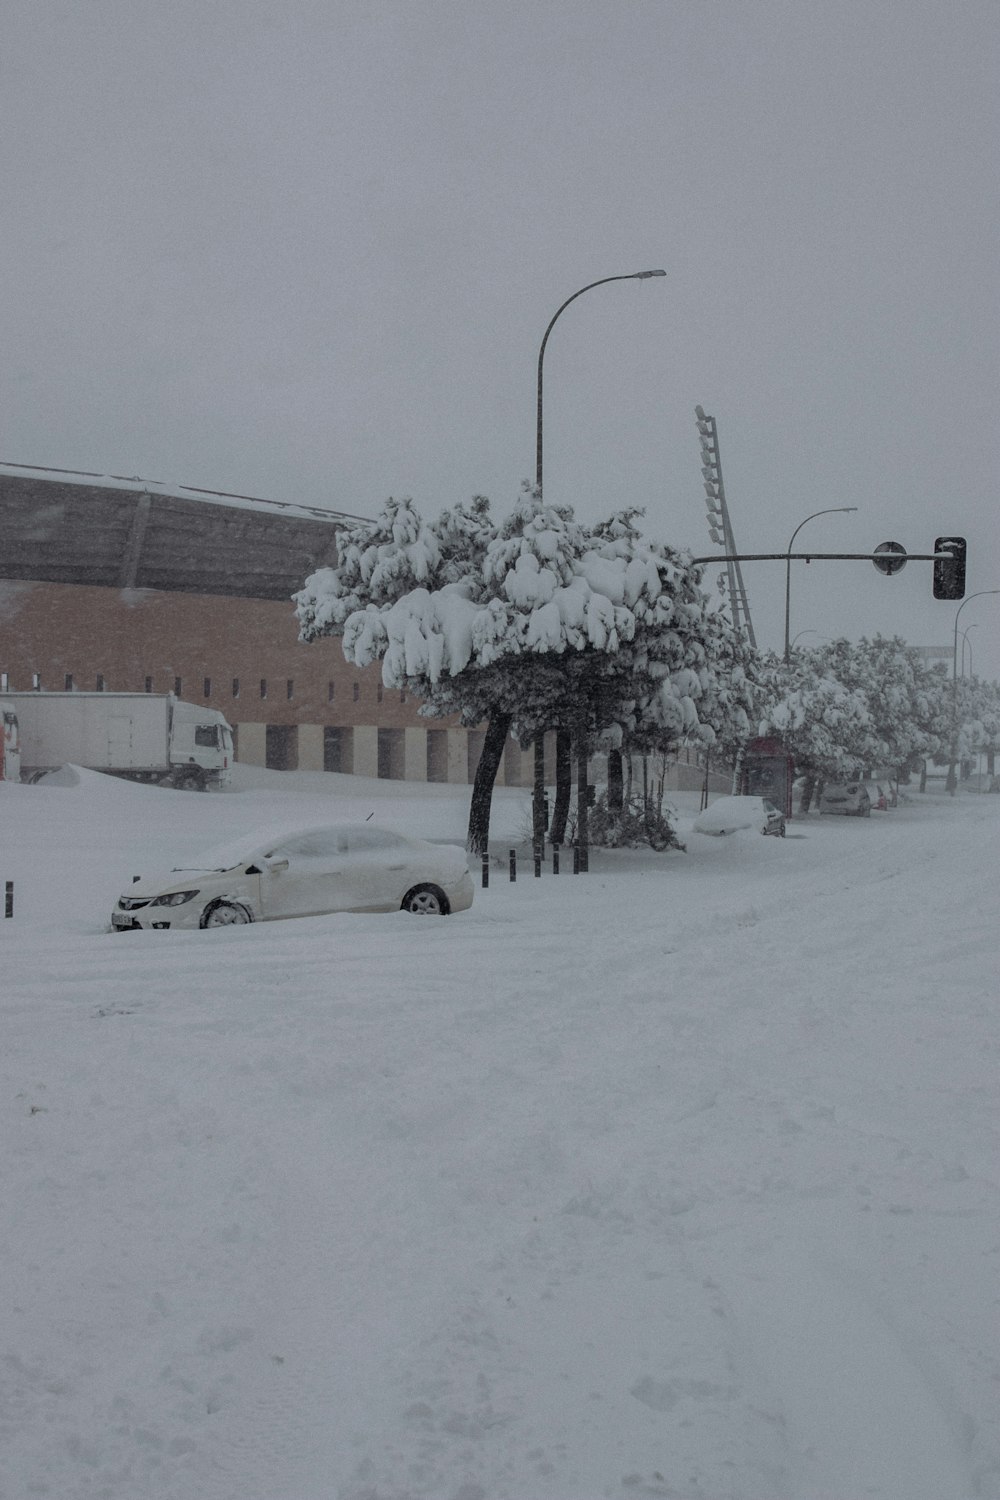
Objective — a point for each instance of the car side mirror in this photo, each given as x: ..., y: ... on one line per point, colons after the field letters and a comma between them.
x: 274, y: 865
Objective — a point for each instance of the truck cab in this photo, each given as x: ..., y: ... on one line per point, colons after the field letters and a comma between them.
x: 201, y: 747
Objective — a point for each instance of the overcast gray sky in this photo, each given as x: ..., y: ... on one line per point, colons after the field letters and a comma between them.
x: 307, y: 249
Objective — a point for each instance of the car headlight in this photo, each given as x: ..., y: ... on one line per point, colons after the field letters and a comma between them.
x: 175, y: 898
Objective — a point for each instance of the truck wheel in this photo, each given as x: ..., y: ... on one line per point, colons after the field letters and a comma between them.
x: 225, y: 914
x: 189, y: 781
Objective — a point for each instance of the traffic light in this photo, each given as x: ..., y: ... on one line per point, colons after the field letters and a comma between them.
x: 949, y: 577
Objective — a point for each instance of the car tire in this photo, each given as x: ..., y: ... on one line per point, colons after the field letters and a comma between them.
x: 225, y: 914
x: 426, y: 901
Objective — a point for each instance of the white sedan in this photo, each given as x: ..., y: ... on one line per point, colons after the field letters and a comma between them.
x: 352, y: 867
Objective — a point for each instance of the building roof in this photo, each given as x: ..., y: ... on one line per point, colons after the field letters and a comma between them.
x: 117, y: 532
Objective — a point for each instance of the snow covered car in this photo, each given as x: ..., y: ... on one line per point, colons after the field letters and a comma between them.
x: 850, y: 799
x: 729, y: 814
x: 351, y: 867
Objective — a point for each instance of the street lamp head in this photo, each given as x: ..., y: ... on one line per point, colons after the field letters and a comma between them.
x: 644, y: 275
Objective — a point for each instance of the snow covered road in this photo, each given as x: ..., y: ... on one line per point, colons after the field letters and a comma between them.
x: 677, y: 1179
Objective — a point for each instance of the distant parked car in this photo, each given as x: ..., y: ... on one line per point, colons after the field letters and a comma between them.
x: 730, y: 814
x: 350, y: 867
x: 849, y: 798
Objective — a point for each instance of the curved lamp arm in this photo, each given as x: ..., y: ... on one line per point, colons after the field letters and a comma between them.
x: 631, y: 276
x: 830, y: 511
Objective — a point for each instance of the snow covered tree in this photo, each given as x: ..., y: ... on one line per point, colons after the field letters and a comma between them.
x: 825, y: 726
x: 975, y: 721
x: 849, y: 707
x: 533, y: 624
x: 904, y: 703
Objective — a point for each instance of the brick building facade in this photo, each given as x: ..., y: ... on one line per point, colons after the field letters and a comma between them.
x: 126, y: 586
x: 217, y: 627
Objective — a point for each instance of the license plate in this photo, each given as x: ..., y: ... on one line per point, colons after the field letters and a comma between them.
x: 117, y: 920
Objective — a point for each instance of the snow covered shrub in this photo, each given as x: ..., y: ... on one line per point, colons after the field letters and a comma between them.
x: 630, y: 827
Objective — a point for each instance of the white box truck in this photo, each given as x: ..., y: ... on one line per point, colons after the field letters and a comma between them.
x: 141, y: 736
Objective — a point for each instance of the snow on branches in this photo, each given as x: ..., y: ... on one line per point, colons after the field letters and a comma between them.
x: 466, y: 603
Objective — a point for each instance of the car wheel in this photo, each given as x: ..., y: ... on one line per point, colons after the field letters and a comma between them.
x: 225, y: 914
x: 426, y: 901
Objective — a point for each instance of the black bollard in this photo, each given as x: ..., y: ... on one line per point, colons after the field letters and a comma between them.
x: 8, y: 898
x: 555, y: 859
x: 486, y: 871
x: 513, y: 864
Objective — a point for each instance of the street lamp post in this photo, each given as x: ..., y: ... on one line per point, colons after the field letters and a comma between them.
x: 538, y: 792
x: 967, y: 642
x: 951, y: 784
x: 830, y: 511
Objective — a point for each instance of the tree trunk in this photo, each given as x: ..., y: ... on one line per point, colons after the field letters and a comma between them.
x: 616, y: 781
x: 807, y: 795
x: 564, y: 785
x: 538, y: 797
x: 582, y: 804
x: 495, y: 739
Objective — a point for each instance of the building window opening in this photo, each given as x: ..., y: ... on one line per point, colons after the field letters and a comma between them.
x: 236, y: 687
x: 177, y: 687
x: 402, y: 695
x: 335, y: 748
x: 290, y: 688
x: 36, y: 682
x: 4, y: 683
x: 357, y: 691
x: 149, y: 684
x: 378, y: 693
x: 330, y: 691
x: 69, y: 682
x: 207, y: 687
x: 282, y: 747
x: 100, y: 683
x: 263, y: 687
x: 391, y: 755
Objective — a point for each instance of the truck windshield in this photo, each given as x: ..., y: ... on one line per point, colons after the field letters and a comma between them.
x: 207, y: 734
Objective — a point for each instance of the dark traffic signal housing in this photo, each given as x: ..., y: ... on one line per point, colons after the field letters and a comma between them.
x: 949, y: 575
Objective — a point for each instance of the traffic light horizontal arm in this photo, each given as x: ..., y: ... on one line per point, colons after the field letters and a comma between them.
x: 823, y: 557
